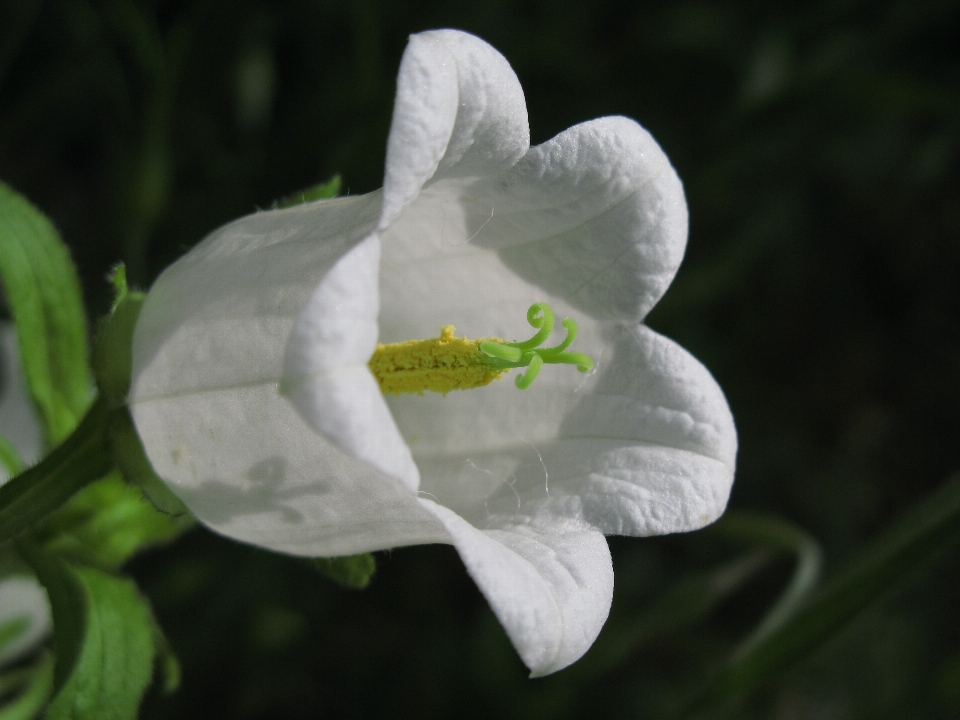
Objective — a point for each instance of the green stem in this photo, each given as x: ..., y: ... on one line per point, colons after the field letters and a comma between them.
x: 79, y: 460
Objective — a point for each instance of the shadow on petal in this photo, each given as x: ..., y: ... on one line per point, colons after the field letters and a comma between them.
x: 219, y: 501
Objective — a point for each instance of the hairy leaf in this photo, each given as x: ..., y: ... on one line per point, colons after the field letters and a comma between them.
x: 43, y: 291
x: 104, y: 640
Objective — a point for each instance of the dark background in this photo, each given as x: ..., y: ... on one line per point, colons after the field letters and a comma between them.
x: 819, y: 144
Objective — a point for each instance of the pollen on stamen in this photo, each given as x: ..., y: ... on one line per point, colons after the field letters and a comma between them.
x: 439, y: 364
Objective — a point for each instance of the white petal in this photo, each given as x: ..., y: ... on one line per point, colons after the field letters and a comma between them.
x: 548, y: 580
x: 648, y: 449
x: 596, y: 215
x: 655, y: 391
x: 23, y: 598
x: 593, y: 221
x: 220, y: 316
x: 248, y: 466
x: 672, y: 442
x: 459, y: 110
x: 325, y: 369
x: 208, y: 358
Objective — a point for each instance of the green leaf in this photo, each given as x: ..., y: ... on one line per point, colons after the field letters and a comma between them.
x: 323, y: 191
x: 10, y: 457
x: 12, y: 629
x: 106, y: 523
x: 350, y: 571
x: 38, y: 683
x: 928, y: 531
x: 78, y: 461
x: 168, y: 664
x: 68, y: 605
x: 104, y: 639
x: 44, y: 295
x: 688, y: 601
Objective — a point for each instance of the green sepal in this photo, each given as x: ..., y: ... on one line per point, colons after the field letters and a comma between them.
x: 133, y: 463
x: 103, y: 637
x: 350, y: 571
x: 112, y: 365
x: 43, y: 291
x: 113, y: 347
x: 323, y: 191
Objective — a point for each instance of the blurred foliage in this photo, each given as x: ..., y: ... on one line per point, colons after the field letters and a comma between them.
x: 819, y: 143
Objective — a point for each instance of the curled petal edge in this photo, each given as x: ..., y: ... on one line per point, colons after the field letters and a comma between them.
x: 549, y: 582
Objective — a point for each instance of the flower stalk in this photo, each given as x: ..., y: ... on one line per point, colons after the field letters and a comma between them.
x: 81, y: 459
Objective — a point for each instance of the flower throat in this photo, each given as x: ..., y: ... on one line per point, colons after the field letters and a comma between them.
x: 448, y: 363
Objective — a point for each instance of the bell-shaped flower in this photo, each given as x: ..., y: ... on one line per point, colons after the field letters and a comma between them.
x: 254, y: 395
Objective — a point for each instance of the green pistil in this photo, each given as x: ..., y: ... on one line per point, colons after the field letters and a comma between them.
x: 527, y: 354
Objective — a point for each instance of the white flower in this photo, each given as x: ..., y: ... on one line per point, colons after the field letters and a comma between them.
x: 472, y: 226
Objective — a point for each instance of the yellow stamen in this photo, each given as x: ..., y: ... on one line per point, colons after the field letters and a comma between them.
x: 439, y: 364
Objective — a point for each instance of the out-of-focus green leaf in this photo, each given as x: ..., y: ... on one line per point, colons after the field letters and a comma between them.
x: 37, y: 683
x: 12, y: 629
x: 323, y: 191
x: 351, y: 571
x: 778, y: 534
x: 44, y: 294
x: 81, y: 459
x: 9, y: 457
x: 103, y: 634
x: 929, y: 530
x: 167, y: 662
x: 106, y: 523
x: 688, y: 601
